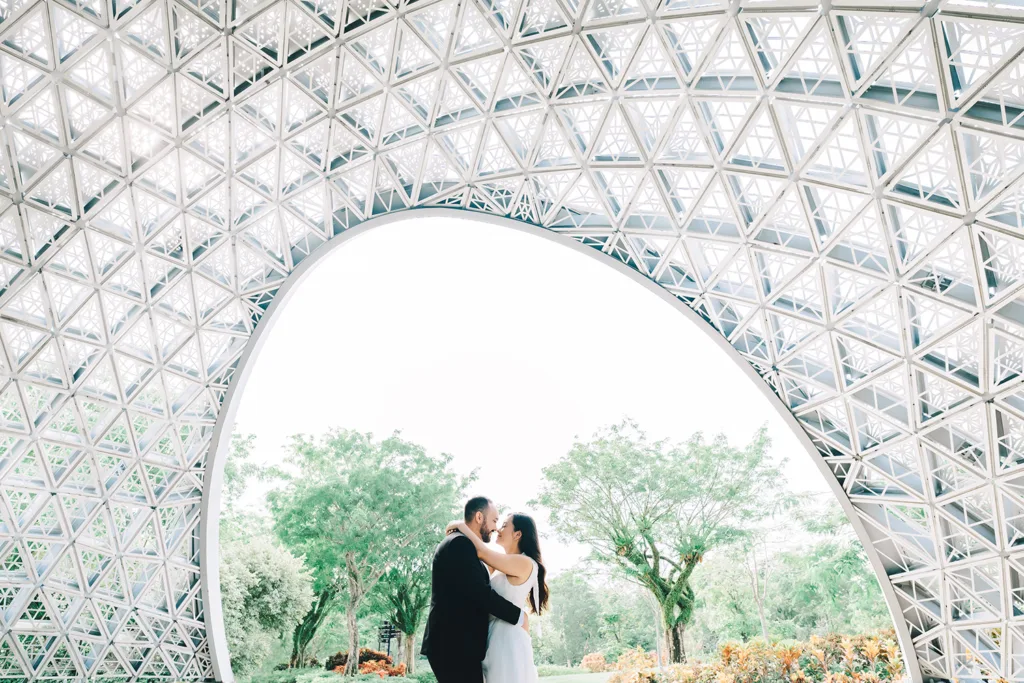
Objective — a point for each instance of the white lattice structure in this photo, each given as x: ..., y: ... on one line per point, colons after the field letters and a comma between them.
x: 834, y: 189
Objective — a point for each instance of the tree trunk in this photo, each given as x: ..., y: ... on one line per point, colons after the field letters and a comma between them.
x: 764, y: 622
x: 659, y: 642
x: 351, y: 616
x: 297, y: 653
x: 408, y: 641
x: 356, y: 593
x: 306, y: 629
x: 659, y: 639
x: 674, y: 640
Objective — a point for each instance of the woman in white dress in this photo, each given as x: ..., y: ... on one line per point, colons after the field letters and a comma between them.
x: 518, y: 576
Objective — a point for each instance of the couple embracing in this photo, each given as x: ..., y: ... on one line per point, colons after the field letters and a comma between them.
x: 477, y: 630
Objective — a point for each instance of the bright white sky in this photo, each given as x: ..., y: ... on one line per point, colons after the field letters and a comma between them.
x: 495, y: 346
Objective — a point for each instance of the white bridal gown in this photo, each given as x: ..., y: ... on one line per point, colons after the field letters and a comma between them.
x: 509, y: 656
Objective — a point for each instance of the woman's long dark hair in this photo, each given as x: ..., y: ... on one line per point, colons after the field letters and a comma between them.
x: 529, y: 545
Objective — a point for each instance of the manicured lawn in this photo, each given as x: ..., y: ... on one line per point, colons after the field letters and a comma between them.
x: 577, y: 678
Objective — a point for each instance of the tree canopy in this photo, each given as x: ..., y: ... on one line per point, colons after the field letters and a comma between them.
x: 654, y: 509
x: 357, y: 508
x: 265, y: 591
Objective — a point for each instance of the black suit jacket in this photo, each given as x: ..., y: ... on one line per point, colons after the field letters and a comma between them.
x: 461, y: 599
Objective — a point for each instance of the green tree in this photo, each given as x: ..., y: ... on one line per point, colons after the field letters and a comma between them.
x: 828, y: 586
x: 548, y: 647
x: 576, y: 614
x: 593, y: 613
x: 815, y: 581
x: 239, y: 474
x: 403, y: 594
x: 355, y: 510
x: 264, y: 591
x: 627, y: 618
x: 332, y: 636
x: 725, y: 610
x: 238, y: 470
x: 655, y: 509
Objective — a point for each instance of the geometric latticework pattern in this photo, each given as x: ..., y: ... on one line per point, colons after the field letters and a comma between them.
x: 838, y: 191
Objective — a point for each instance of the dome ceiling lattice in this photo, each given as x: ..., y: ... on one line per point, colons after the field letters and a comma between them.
x: 836, y: 190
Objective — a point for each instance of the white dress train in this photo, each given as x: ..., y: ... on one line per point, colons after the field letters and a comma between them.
x: 509, y: 656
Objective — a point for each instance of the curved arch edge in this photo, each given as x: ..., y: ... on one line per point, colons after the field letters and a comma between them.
x: 209, y: 534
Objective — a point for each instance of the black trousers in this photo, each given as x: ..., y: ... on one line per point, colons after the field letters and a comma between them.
x: 456, y: 671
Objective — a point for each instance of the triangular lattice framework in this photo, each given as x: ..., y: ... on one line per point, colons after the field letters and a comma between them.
x: 839, y: 193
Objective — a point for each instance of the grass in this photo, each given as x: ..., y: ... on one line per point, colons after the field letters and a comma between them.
x: 577, y: 678
x: 319, y: 675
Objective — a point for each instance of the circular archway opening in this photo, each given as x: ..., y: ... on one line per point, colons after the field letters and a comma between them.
x: 507, y: 351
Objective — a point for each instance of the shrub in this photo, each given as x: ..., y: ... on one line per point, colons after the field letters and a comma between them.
x: 637, y: 677
x: 264, y: 590
x: 340, y: 659
x: 834, y: 658
x: 636, y: 660
x: 367, y: 655
x: 594, y: 662
x: 334, y: 661
x: 379, y: 667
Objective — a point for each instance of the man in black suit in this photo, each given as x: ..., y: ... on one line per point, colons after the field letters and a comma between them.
x: 455, y: 640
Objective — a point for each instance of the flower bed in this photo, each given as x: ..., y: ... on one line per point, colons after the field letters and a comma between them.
x: 365, y: 655
x: 380, y: 668
x: 832, y: 659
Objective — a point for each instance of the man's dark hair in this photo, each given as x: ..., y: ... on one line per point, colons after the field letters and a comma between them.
x: 475, y: 505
